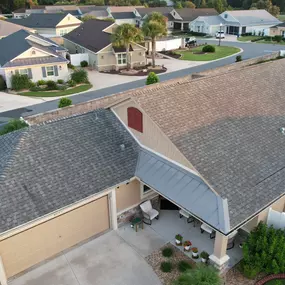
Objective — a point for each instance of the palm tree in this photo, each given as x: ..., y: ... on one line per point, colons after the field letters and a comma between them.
x: 124, y: 35
x: 153, y: 27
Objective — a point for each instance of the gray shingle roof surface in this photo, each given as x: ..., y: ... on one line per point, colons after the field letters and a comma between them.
x: 97, y: 41
x: 212, y: 20
x: 188, y: 190
x: 40, y: 20
x: 189, y: 14
x: 123, y: 15
x: 48, y: 167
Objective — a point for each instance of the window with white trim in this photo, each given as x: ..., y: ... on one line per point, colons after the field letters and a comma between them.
x: 145, y: 191
x: 50, y: 70
x: 122, y: 58
x: 24, y: 72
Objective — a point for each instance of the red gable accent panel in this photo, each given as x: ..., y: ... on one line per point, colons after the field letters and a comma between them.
x: 135, y: 119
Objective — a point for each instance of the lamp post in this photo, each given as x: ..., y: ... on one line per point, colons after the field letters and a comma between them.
x: 220, y: 35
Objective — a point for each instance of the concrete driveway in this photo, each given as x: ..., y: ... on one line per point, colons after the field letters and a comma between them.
x: 107, y: 260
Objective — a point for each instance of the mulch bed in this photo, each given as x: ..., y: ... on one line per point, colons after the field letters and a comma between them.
x: 155, y: 259
x: 171, y: 54
x: 139, y: 73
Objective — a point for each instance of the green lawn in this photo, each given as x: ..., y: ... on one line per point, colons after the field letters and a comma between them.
x: 221, y: 51
x: 273, y: 282
x: 70, y: 91
x: 281, y: 18
x: 271, y: 42
x: 248, y: 38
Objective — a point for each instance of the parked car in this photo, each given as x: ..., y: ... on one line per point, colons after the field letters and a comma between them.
x: 220, y: 35
x: 190, y: 42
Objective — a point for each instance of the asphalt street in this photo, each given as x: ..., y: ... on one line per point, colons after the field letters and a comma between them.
x: 250, y: 50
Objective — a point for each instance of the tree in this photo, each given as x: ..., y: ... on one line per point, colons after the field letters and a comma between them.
x: 153, y: 27
x: 200, y: 275
x: 19, y: 4
x: 124, y: 35
x: 218, y: 5
x: 178, y: 5
x: 203, y: 4
x: 95, y: 2
x: 267, y: 5
x: 189, y: 4
x: 87, y: 18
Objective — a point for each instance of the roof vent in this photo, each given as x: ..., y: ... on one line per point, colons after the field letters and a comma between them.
x: 122, y: 147
x: 282, y: 131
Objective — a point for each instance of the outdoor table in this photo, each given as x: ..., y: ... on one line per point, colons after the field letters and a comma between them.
x: 137, y: 222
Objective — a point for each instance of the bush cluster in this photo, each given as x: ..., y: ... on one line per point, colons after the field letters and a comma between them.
x: 41, y: 82
x: 208, y: 48
x: 51, y: 85
x: 264, y: 251
x: 20, y: 82
x: 2, y: 83
x: 167, y: 252
x: 64, y: 102
x: 71, y: 83
x: 238, y: 58
x: 13, y: 125
x: 83, y: 63
x: 80, y: 76
x: 166, y: 266
x: 152, y: 78
x: 184, y: 265
x: 71, y: 66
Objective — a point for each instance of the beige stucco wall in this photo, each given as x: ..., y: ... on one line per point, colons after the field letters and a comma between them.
x: 152, y: 136
x: 277, y: 206
x: 251, y: 224
x: 69, y: 20
x: 37, y: 73
x: 276, y: 31
x: 128, y: 195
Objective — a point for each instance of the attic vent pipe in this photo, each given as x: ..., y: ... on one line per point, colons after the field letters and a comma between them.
x: 122, y: 147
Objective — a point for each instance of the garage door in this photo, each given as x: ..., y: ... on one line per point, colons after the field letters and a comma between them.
x: 26, y: 249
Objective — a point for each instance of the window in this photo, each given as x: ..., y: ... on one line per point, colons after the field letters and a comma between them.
x: 24, y: 72
x: 63, y: 32
x: 135, y: 119
x: 145, y: 191
x: 122, y: 58
x: 225, y: 16
x: 50, y: 70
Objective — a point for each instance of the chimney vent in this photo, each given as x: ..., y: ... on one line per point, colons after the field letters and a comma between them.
x: 122, y: 147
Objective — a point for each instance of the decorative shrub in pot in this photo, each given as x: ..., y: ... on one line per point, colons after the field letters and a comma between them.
x: 205, y: 256
x: 178, y: 239
x: 195, y: 252
x: 187, y: 245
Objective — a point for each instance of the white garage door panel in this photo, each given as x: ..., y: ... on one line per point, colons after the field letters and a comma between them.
x: 26, y: 249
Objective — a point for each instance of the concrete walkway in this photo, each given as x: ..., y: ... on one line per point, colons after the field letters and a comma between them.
x: 107, y: 260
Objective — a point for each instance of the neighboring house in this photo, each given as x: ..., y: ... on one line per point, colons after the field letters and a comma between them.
x: 278, y: 30
x: 7, y: 28
x: 257, y: 22
x: 177, y: 19
x: 94, y: 39
x: 19, y: 13
x: 27, y: 53
x: 124, y: 17
x: 49, y: 25
x: 211, y: 152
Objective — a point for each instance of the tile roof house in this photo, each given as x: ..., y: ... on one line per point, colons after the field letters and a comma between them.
x: 49, y: 24
x: 211, y: 146
x: 31, y: 54
x: 236, y: 22
x: 102, y: 55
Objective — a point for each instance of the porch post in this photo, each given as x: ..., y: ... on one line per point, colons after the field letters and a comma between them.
x: 182, y: 25
x: 3, y: 278
x: 220, y: 258
x: 113, y: 206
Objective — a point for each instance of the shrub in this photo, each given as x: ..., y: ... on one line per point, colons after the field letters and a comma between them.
x: 51, y: 85
x: 277, y: 38
x: 184, y: 265
x: 238, y: 58
x: 71, y: 83
x: 35, y: 88
x: 200, y: 275
x: 152, y: 78
x: 60, y: 81
x: 166, y: 266
x: 13, y: 125
x: 64, y: 102
x: 80, y: 76
x: 83, y: 63
x: 263, y: 251
x: 204, y: 255
x: 20, y: 82
x: 167, y: 252
x: 71, y: 66
x: 208, y: 48
x: 2, y: 83
x: 41, y: 82
x: 61, y: 87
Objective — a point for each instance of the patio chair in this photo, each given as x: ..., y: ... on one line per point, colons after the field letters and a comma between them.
x: 231, y: 240
x: 148, y: 212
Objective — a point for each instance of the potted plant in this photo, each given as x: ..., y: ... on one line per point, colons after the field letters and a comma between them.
x: 195, y: 252
x: 204, y: 256
x: 178, y: 239
x: 187, y: 244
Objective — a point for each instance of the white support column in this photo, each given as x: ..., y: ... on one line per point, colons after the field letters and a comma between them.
x: 3, y: 278
x: 113, y: 206
x: 220, y: 258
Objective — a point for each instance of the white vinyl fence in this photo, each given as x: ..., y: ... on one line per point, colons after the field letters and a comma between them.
x: 276, y: 219
x: 169, y: 44
x: 75, y: 59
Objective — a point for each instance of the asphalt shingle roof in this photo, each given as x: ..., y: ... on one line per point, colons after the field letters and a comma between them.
x: 82, y: 35
x: 48, y: 167
x: 123, y: 15
x: 40, y: 20
x: 189, y: 14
